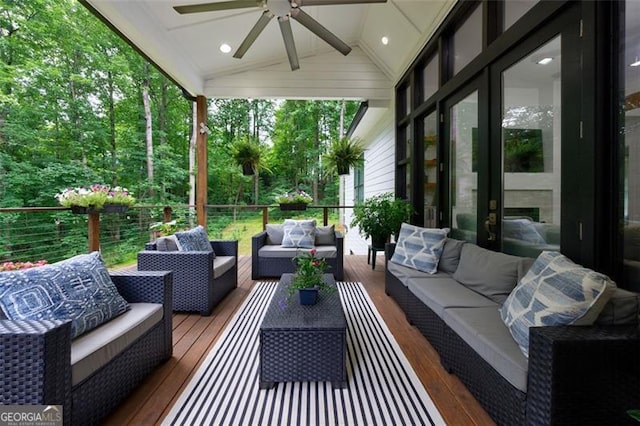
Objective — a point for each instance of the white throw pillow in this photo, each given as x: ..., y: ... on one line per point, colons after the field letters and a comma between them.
x: 555, y: 291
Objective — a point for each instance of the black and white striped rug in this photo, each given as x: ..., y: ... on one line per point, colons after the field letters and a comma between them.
x: 383, y: 389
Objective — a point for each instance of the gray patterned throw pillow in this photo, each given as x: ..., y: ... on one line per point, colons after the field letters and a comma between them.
x: 299, y: 233
x: 195, y: 239
x: 555, y: 291
x: 77, y: 289
x: 420, y: 248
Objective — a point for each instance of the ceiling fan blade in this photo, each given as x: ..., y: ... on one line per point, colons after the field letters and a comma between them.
x: 317, y: 28
x: 332, y: 2
x: 289, y: 45
x: 212, y: 7
x: 253, y: 34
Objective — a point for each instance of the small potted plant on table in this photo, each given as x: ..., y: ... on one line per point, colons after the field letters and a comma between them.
x: 307, y: 280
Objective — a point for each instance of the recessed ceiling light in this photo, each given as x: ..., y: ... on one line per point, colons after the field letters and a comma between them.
x: 635, y: 64
x: 225, y: 48
x: 545, y: 61
x: 385, y: 40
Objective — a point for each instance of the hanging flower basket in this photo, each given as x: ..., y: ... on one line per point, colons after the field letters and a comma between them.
x: 293, y: 206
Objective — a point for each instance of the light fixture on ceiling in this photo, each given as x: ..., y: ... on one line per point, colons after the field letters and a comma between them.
x: 225, y: 48
x: 635, y: 63
x: 544, y: 61
x: 385, y: 40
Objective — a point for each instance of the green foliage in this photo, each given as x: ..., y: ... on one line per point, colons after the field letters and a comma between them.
x: 381, y: 215
x: 309, y: 271
x: 634, y: 414
x: 343, y: 154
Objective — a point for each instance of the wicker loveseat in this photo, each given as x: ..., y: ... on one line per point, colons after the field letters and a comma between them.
x: 93, y: 373
x: 200, y: 279
x: 270, y: 259
x: 573, y: 374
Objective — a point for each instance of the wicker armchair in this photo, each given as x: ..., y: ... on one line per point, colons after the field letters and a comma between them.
x: 35, y: 357
x: 200, y: 279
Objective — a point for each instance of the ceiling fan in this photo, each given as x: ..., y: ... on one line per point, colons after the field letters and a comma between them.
x: 284, y: 10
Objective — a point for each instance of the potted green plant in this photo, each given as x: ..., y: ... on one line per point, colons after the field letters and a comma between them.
x: 381, y: 216
x: 307, y: 280
x: 343, y: 154
x: 247, y: 154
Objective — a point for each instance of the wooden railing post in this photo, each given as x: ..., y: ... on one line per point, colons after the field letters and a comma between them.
x: 265, y: 217
x: 325, y: 216
x: 94, y: 232
x: 167, y: 213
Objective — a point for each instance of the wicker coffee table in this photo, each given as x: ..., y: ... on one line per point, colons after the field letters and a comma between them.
x: 303, y: 343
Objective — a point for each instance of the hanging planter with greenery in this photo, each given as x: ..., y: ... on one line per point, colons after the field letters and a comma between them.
x: 247, y: 154
x: 295, y: 200
x: 343, y: 154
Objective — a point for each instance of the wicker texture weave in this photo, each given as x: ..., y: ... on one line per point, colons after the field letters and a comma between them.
x: 195, y: 287
x: 276, y: 266
x: 303, y: 343
x: 35, y: 358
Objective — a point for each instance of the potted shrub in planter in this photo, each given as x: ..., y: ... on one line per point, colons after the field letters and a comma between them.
x: 380, y: 216
x: 97, y: 198
x: 247, y: 154
x: 296, y: 200
x: 343, y: 154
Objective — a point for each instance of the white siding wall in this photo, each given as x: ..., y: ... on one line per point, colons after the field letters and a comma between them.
x: 378, y: 174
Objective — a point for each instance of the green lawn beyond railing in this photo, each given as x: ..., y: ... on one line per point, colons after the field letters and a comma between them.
x: 53, y: 234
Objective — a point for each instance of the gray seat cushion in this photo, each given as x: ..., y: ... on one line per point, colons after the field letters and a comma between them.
x: 483, y: 330
x: 222, y: 264
x: 96, y: 348
x: 441, y: 293
x: 404, y: 272
x: 488, y: 272
x: 291, y: 252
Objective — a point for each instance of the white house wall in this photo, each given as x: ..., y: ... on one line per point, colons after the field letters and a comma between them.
x: 379, y: 171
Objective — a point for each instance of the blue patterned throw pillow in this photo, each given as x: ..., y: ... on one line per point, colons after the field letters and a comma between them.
x: 195, y: 239
x: 555, y: 291
x: 299, y: 233
x: 420, y: 248
x: 77, y: 289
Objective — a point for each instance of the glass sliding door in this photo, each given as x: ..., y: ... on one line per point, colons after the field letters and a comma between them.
x: 463, y: 185
x: 431, y: 170
x: 531, y: 146
x: 630, y: 147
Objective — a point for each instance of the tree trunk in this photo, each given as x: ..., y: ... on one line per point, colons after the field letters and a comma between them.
x: 112, y: 129
x: 148, y: 127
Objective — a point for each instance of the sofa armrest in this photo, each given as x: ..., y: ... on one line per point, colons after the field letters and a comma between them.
x: 259, y: 240
x: 583, y: 375
x: 144, y: 286
x: 35, y: 360
x: 225, y: 247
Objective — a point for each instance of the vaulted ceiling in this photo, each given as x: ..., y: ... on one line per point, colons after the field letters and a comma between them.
x: 186, y: 47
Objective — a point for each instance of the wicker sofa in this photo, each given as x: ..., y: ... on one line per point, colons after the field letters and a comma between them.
x: 93, y: 373
x: 270, y: 259
x: 200, y: 279
x: 573, y: 375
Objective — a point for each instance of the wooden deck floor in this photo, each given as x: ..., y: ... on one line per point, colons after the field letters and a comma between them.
x: 194, y: 336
